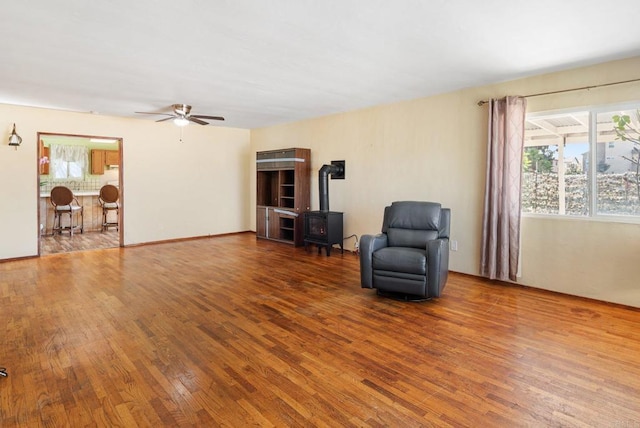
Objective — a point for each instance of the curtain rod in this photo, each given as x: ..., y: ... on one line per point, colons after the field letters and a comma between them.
x: 483, y: 102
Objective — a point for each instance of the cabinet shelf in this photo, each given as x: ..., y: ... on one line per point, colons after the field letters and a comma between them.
x: 287, y: 192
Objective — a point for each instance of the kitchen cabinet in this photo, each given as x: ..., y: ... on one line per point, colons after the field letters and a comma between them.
x: 97, y: 162
x: 111, y: 157
x: 283, y: 194
x: 45, y: 152
x: 44, y: 167
x: 100, y: 158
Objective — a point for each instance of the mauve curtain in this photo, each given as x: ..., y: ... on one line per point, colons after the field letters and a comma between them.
x: 501, y: 219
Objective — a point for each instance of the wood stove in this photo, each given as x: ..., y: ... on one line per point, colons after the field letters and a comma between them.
x: 323, y: 228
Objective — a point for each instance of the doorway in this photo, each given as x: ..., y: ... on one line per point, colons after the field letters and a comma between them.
x: 83, y: 164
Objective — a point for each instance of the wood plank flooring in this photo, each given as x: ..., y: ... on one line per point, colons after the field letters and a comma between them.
x: 233, y: 331
x: 89, y: 240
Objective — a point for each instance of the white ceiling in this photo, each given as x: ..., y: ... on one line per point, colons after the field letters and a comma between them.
x: 260, y: 63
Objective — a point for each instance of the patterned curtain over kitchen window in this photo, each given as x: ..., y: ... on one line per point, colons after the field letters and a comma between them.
x: 69, y: 161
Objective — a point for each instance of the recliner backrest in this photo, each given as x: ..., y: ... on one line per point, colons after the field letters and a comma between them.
x: 445, y: 223
x: 412, y: 223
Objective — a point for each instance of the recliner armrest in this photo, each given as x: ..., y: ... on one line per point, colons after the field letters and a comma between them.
x: 368, y: 245
x: 437, y: 265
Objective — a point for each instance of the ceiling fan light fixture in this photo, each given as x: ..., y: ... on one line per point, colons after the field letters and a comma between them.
x: 181, y: 121
x: 181, y: 115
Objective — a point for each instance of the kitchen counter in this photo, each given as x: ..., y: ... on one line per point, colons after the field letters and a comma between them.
x: 88, y: 199
x: 75, y: 193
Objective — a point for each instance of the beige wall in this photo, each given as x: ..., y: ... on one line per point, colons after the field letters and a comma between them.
x: 171, y: 189
x: 434, y: 149
x: 430, y: 149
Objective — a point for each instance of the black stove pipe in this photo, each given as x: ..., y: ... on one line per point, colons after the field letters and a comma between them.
x: 323, y: 184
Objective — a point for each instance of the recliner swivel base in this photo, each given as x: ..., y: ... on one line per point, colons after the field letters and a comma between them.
x: 404, y: 297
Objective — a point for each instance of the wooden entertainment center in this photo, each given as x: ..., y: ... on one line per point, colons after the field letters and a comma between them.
x: 283, y: 194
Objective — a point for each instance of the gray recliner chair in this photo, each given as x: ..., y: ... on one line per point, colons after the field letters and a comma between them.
x: 410, y: 258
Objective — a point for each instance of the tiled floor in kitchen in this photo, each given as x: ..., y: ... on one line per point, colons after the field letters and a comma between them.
x: 79, y: 242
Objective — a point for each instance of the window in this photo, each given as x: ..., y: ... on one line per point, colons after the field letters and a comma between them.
x: 559, y: 151
x: 68, y: 161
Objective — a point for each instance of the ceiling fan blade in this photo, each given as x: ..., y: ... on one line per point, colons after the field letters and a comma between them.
x: 166, y: 118
x: 149, y: 112
x: 200, y: 116
x: 196, y: 120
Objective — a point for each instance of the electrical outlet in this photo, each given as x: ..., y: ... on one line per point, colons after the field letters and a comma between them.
x: 454, y: 245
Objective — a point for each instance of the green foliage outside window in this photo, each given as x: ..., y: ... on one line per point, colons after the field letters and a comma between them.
x: 625, y: 131
x: 538, y: 159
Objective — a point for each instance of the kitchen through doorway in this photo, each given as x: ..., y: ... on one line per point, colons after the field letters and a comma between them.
x: 83, y: 164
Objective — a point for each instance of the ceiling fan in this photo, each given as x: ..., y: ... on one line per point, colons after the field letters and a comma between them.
x: 182, y: 115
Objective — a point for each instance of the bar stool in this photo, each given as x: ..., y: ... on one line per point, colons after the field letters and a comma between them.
x: 108, y: 199
x: 64, y: 202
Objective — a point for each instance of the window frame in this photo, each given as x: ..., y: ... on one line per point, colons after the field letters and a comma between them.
x: 592, y: 176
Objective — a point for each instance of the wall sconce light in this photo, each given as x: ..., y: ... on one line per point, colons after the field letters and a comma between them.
x: 14, y: 138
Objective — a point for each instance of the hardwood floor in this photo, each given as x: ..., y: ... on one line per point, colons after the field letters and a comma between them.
x: 234, y: 331
x: 89, y: 240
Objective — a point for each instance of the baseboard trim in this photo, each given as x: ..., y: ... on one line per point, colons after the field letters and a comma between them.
x: 190, y: 238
